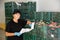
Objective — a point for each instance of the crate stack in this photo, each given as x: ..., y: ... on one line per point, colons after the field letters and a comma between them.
x: 45, y: 16
x: 28, y: 10
x: 9, y: 8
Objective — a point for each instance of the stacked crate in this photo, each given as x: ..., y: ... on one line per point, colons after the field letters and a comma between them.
x: 9, y: 8
x: 46, y: 16
x: 42, y: 31
x: 56, y: 16
x: 28, y: 10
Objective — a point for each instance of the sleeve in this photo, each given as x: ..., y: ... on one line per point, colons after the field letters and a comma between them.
x: 8, y: 27
x: 24, y: 22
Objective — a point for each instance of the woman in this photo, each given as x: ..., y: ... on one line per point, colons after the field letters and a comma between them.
x: 14, y: 26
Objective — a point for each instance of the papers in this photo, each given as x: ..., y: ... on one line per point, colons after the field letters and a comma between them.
x: 32, y: 27
x: 24, y: 30
x: 52, y: 35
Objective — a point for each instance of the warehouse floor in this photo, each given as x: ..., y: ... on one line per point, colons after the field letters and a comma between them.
x: 2, y: 34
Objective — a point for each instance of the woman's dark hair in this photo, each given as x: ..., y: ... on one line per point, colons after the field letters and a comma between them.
x: 16, y: 11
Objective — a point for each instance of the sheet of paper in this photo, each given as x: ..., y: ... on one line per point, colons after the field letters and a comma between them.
x: 24, y: 30
x: 32, y: 27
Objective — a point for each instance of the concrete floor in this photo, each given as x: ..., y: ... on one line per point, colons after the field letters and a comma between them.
x: 2, y: 34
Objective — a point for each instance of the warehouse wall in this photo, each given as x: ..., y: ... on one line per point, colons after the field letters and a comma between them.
x: 2, y: 11
x: 48, y: 5
x: 2, y: 14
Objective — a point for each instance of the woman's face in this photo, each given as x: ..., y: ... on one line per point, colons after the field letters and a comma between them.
x: 16, y: 16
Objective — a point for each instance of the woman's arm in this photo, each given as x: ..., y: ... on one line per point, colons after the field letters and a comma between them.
x: 9, y: 34
x: 12, y: 34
